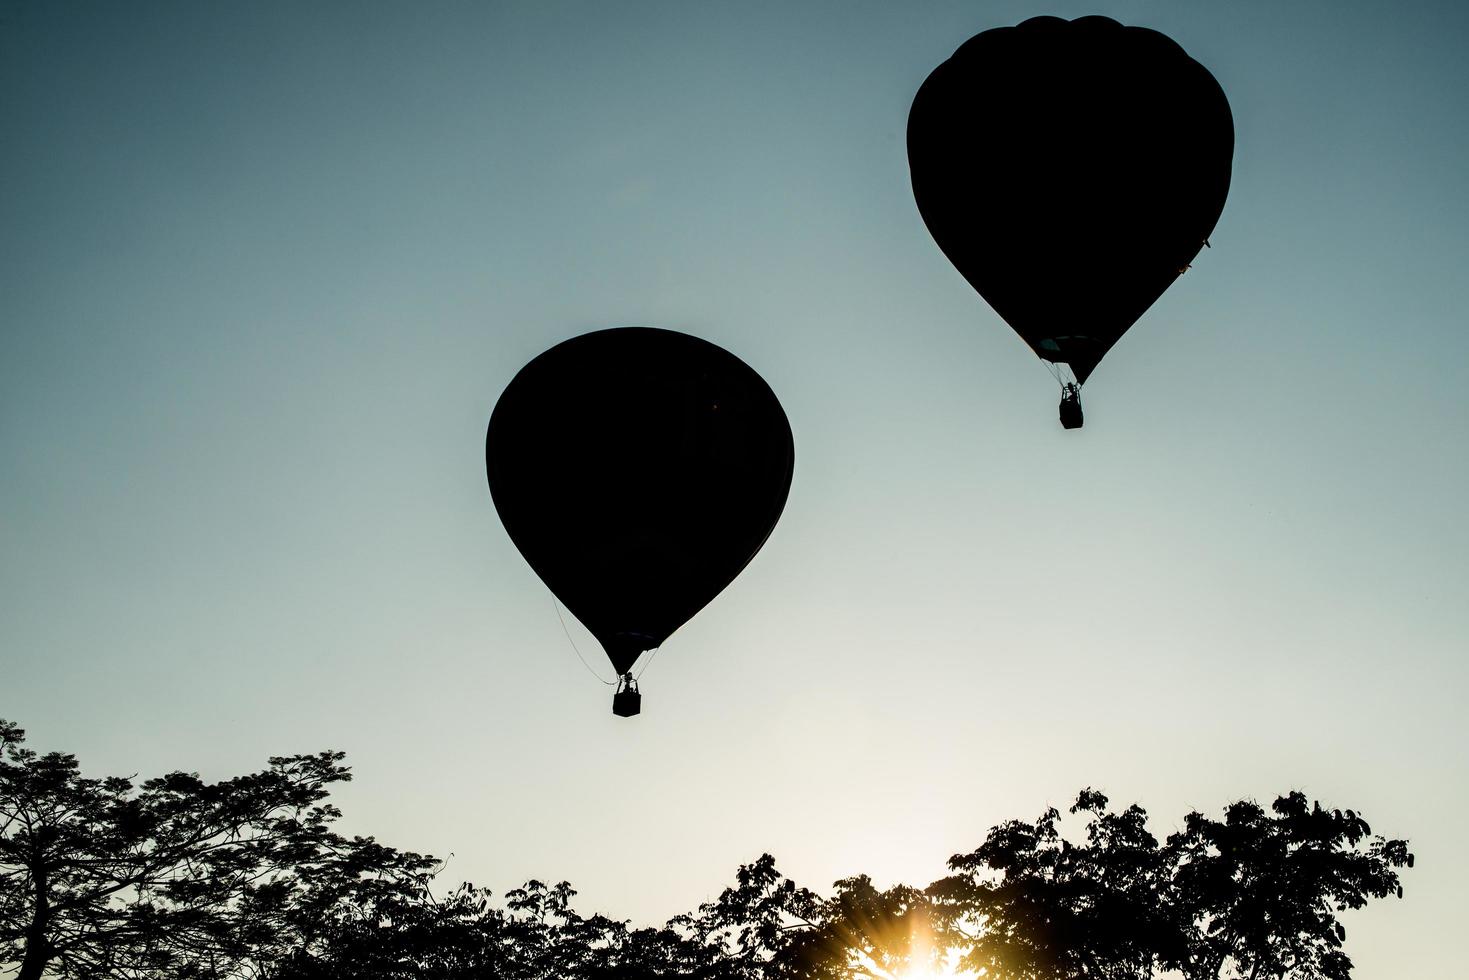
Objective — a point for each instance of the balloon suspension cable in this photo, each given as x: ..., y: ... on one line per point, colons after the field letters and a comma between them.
x: 557, y: 606
x: 647, y: 663
x: 1061, y: 371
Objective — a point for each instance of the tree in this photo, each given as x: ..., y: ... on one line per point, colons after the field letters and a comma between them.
x: 537, y: 935
x: 861, y: 933
x: 1029, y: 904
x: 750, y: 924
x: 1252, y: 896
x: 244, y: 879
x: 1261, y: 893
x: 404, y: 935
x: 176, y: 877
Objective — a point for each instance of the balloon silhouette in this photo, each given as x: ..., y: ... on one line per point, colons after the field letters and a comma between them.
x: 638, y: 471
x: 1071, y: 171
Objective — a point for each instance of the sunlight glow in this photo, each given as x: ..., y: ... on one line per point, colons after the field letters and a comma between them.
x: 948, y: 971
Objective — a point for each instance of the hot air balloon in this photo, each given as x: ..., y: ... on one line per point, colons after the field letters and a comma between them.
x: 1071, y: 171
x: 638, y: 470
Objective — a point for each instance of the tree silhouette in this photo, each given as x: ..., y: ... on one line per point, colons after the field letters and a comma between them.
x: 1261, y: 891
x: 1029, y: 904
x: 178, y: 879
x: 1251, y: 896
x: 861, y: 933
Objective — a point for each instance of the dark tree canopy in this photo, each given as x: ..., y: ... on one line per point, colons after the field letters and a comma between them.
x: 1262, y: 888
x: 1029, y: 904
x: 176, y: 878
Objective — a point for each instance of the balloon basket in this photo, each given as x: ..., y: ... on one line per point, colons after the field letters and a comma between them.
x: 1071, y: 407
x: 626, y: 703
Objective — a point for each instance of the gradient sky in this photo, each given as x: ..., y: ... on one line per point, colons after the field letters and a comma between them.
x: 266, y: 267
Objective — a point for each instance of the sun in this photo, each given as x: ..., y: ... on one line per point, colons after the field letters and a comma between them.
x: 910, y: 950
x: 948, y: 970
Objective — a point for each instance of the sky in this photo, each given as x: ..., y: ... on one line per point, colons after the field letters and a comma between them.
x: 266, y: 267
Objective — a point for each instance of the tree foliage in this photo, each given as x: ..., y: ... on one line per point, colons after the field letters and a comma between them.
x: 1261, y: 889
x: 1029, y: 904
x: 176, y: 878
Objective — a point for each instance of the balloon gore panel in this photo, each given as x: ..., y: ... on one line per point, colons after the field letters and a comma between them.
x: 638, y: 471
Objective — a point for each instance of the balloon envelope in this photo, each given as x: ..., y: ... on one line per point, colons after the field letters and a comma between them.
x: 638, y: 471
x: 1070, y: 170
